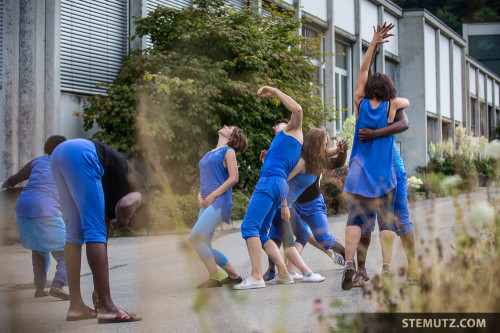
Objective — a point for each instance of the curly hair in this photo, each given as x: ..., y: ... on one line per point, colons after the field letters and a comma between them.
x: 238, y: 140
x: 314, y: 151
x: 380, y: 86
x: 52, y: 143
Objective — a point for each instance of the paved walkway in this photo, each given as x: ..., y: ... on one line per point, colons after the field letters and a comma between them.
x: 154, y: 277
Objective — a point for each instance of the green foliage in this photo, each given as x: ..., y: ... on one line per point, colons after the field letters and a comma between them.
x: 332, y: 187
x: 240, y: 204
x: 162, y: 216
x: 203, y: 72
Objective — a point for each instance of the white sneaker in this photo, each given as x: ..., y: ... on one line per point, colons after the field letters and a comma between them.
x: 282, y: 280
x: 314, y: 277
x: 296, y: 276
x: 338, y: 259
x: 250, y: 283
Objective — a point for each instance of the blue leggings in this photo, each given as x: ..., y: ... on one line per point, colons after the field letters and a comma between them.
x: 203, y: 232
x: 77, y: 174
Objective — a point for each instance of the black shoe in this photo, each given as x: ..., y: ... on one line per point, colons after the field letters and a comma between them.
x: 230, y: 280
x: 210, y: 283
x: 59, y: 293
x: 40, y: 292
x: 349, y: 271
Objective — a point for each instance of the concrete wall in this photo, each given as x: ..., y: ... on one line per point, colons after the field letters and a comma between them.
x: 317, y: 8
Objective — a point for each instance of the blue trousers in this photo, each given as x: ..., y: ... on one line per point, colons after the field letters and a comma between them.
x: 41, y: 264
x: 77, y: 174
x: 266, y: 198
x: 203, y: 232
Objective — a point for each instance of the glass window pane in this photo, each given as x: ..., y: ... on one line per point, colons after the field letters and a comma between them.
x: 341, y: 55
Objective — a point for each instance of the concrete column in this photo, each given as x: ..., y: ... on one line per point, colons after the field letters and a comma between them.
x: 256, y: 5
x: 438, y: 87
x: 477, y: 115
x: 137, y: 8
x: 330, y: 66
x: 357, y: 47
x: 52, y: 68
x: 380, y: 60
x: 452, y: 91
x: 297, y: 4
x: 467, y: 104
x: 486, y: 109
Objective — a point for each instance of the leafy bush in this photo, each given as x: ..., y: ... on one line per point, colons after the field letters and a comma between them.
x: 240, y: 204
x: 162, y: 214
x: 332, y: 187
x: 203, y: 72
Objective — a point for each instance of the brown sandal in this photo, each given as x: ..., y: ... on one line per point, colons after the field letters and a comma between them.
x: 360, y: 278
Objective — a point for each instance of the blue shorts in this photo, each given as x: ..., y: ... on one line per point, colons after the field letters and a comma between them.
x: 312, y: 214
x: 77, y: 174
x: 402, y: 223
x: 363, y: 211
x: 268, y: 195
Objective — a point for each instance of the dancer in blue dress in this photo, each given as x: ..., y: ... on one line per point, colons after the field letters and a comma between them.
x: 371, y: 178
x: 218, y: 174
x: 271, y: 191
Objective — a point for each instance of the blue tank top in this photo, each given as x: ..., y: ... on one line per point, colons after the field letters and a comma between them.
x: 282, y: 156
x: 396, y: 158
x: 297, y: 185
x: 371, y: 171
x: 213, y: 174
x: 39, y: 198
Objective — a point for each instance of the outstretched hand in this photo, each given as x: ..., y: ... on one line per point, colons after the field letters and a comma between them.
x: 343, y: 146
x: 381, y: 33
x: 266, y: 91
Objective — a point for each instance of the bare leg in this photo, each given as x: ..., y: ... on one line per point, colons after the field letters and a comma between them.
x: 339, y: 248
x: 211, y: 267
x: 386, y: 242
x: 295, y: 258
x: 271, y: 263
x: 230, y: 270
x: 362, y: 251
x: 408, y: 241
x: 299, y: 248
x: 73, y: 259
x: 97, y: 257
x: 352, y: 237
x: 274, y: 253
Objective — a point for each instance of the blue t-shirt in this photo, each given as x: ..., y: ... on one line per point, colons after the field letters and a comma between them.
x: 282, y: 156
x: 297, y: 185
x: 213, y: 174
x: 39, y: 198
x: 371, y: 171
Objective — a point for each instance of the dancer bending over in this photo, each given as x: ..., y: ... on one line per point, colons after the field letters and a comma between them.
x: 218, y: 174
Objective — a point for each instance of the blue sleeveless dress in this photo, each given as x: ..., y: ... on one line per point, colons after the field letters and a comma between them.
x: 213, y: 174
x: 371, y: 171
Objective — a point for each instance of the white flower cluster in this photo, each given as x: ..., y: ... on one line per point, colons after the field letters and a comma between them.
x: 414, y: 182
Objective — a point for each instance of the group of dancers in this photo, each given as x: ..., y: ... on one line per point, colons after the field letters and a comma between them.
x: 94, y: 186
x: 287, y: 200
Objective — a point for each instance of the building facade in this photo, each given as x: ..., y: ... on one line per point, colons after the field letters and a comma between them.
x: 53, y: 52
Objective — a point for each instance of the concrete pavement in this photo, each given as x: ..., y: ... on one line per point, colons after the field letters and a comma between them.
x: 154, y: 277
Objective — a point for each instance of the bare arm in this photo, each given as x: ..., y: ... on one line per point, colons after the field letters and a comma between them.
x: 20, y: 176
x: 399, y: 125
x: 339, y: 160
x: 299, y: 168
x: 232, y: 168
x: 126, y: 207
x: 379, y: 37
x: 294, y: 127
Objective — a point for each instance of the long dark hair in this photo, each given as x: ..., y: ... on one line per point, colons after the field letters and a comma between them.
x: 380, y: 87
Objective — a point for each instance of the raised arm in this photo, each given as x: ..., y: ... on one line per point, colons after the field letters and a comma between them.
x: 399, y: 125
x: 232, y: 168
x: 379, y: 37
x: 339, y: 160
x: 294, y: 127
x: 22, y: 175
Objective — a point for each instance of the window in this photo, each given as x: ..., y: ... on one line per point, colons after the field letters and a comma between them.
x: 473, y: 129
x: 319, y: 78
x: 93, y: 42
x: 391, y: 69
x: 1, y: 41
x: 432, y: 130
x: 483, y: 119
x: 491, y: 127
x: 447, y: 130
x: 343, y: 83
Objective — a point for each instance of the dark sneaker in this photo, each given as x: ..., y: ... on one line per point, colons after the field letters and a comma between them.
x: 270, y: 274
x: 59, y: 293
x: 210, y: 283
x: 40, y: 292
x: 230, y: 280
x: 349, y: 271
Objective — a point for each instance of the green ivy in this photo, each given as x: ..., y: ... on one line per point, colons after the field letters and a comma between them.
x: 203, y: 72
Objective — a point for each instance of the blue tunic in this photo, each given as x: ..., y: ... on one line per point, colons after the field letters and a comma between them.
x: 213, y: 174
x: 371, y: 171
x: 39, y: 198
x: 282, y: 156
x: 297, y: 185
